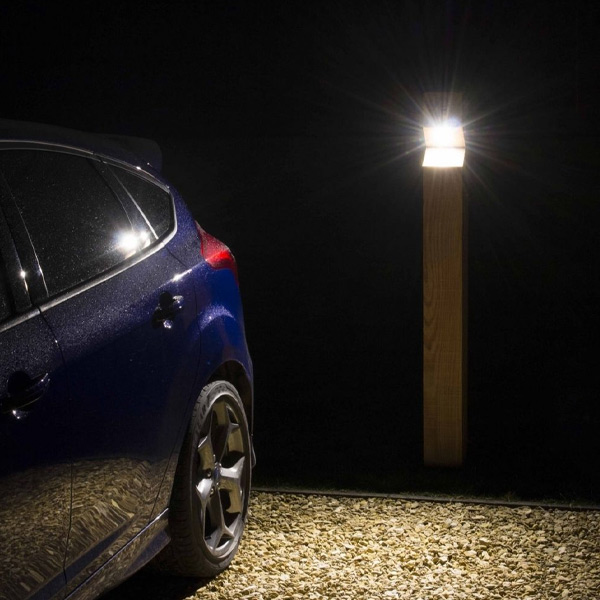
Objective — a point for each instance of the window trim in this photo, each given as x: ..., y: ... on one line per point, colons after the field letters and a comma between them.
x: 41, y: 298
x: 18, y: 318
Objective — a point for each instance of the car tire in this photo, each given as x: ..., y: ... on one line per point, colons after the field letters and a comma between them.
x: 209, y: 501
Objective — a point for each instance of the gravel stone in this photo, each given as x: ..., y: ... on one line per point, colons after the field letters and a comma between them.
x: 326, y: 547
x: 320, y: 547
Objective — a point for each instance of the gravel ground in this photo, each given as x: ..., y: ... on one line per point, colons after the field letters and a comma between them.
x: 313, y: 547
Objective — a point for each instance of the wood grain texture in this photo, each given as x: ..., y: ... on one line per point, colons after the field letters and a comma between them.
x: 444, y: 317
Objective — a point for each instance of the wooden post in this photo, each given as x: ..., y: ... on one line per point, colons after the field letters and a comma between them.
x: 444, y: 317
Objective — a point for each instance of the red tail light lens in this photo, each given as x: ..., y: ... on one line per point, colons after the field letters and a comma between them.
x: 216, y: 253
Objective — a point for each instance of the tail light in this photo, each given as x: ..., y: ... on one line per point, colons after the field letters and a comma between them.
x: 216, y: 253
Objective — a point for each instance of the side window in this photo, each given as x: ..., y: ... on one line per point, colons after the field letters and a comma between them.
x: 5, y: 302
x: 4, y: 298
x: 76, y: 224
x: 154, y: 202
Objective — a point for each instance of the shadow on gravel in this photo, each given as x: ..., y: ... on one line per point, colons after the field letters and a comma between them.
x: 150, y: 585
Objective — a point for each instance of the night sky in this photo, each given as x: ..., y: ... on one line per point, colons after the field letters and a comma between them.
x: 293, y: 131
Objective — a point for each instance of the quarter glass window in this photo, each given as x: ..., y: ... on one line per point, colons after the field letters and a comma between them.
x: 154, y: 202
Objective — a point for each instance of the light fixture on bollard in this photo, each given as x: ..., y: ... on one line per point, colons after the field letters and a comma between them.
x: 444, y: 284
x: 444, y: 145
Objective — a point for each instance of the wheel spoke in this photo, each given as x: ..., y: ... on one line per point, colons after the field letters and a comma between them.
x: 231, y: 482
x: 206, y: 467
x: 206, y: 453
x: 226, y: 435
x: 203, y: 490
x: 221, y: 531
x: 220, y: 430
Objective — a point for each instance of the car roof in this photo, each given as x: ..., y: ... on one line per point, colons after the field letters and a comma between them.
x: 132, y: 150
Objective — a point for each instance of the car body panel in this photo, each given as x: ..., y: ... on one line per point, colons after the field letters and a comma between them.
x: 35, y: 468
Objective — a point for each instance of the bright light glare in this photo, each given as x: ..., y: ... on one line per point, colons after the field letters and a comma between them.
x: 444, y: 157
x: 180, y: 276
x: 444, y: 136
x: 444, y: 146
x: 128, y: 242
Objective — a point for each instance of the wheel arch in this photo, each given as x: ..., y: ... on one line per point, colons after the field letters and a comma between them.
x: 234, y: 373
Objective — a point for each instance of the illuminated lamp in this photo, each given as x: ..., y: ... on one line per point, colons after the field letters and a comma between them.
x: 444, y: 146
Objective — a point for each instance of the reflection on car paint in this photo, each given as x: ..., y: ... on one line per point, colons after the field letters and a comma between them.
x: 35, y: 499
x: 112, y: 497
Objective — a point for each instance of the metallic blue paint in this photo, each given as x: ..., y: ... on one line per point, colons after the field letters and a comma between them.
x: 89, y: 466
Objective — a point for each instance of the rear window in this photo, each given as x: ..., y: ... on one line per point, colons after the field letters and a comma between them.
x: 77, y: 225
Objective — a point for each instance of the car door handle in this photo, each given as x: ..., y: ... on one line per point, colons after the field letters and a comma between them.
x: 23, y: 391
x: 168, y: 307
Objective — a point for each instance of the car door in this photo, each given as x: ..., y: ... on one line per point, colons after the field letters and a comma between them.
x: 113, y: 295
x: 35, y: 463
x: 113, y: 347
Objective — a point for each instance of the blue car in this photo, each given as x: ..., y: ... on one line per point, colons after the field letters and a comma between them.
x: 126, y: 389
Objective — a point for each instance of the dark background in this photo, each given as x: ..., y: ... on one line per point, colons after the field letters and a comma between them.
x: 293, y: 131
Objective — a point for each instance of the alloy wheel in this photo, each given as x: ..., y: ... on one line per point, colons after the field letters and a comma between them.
x: 222, y: 477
